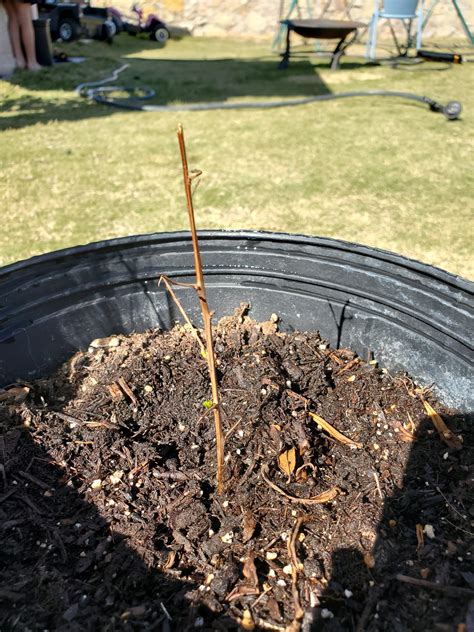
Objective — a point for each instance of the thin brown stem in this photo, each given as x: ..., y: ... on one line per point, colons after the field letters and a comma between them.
x: 295, y: 568
x: 455, y: 591
x: 206, y: 314
x: 320, y: 499
x: 168, y: 283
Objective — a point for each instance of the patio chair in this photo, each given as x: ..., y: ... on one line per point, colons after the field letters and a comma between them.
x: 404, y: 10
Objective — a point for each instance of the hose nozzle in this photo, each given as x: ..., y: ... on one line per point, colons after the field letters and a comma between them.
x: 452, y: 110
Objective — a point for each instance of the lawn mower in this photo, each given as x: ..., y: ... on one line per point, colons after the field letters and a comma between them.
x: 69, y: 21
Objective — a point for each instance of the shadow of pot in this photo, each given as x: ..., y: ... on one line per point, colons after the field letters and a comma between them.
x: 411, y: 316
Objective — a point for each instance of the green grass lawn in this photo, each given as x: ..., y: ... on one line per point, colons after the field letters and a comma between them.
x: 382, y: 172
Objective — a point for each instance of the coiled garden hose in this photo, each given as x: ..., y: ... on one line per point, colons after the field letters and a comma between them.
x: 97, y: 91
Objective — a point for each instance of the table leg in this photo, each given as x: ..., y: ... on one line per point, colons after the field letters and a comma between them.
x: 340, y: 49
x: 285, y: 59
x: 337, y: 54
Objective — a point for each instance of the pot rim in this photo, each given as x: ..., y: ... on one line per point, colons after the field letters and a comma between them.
x: 261, y: 235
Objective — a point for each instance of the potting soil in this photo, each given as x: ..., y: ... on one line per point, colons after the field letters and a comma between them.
x: 344, y: 506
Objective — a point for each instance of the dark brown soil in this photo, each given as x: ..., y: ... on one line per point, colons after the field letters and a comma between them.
x: 109, y: 517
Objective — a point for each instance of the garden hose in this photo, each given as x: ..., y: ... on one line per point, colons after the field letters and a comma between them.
x: 101, y: 93
x: 446, y: 57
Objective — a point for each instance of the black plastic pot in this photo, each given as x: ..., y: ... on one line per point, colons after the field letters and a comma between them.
x: 412, y: 316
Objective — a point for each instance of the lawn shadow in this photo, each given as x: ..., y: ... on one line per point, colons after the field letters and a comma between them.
x: 174, y: 81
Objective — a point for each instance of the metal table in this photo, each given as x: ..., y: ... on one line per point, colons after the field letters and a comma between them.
x: 342, y: 30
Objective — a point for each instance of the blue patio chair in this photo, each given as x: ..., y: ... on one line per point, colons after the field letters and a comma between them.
x: 404, y: 10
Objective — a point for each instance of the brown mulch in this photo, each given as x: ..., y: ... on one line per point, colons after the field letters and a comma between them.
x: 110, y: 519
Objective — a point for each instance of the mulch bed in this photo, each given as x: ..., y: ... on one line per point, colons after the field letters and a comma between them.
x: 110, y: 519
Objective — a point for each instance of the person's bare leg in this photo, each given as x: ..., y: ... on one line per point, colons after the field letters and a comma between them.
x: 14, y: 32
x: 25, y: 21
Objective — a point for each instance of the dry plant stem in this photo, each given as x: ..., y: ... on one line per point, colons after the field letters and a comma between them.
x: 126, y: 389
x: 324, y: 497
x: 267, y: 625
x: 445, y: 433
x: 206, y: 314
x: 335, y: 433
x: 405, y: 435
x: 451, y: 506
x: 259, y: 598
x: 377, y: 484
x: 295, y: 567
x: 374, y: 595
x: 456, y: 591
x: 168, y: 283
